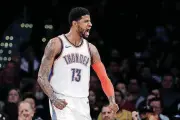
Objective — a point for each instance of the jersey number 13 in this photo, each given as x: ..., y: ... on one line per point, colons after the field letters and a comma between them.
x: 76, y: 74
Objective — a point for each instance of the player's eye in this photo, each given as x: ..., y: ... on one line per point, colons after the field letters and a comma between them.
x: 86, y: 21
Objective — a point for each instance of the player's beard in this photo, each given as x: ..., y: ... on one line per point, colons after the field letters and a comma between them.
x: 82, y: 33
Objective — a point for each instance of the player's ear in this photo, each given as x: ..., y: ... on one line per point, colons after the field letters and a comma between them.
x: 74, y: 23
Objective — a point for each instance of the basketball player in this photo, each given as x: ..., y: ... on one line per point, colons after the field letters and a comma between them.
x: 70, y: 56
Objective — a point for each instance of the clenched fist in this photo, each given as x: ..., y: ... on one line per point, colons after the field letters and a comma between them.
x: 114, y: 107
x: 60, y: 103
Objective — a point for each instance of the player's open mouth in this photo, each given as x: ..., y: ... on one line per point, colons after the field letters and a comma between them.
x: 87, y: 32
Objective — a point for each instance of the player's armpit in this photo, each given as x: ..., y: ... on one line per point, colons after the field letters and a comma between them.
x: 51, y: 50
x: 105, y: 81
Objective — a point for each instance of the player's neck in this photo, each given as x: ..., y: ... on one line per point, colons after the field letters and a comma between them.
x: 74, y: 37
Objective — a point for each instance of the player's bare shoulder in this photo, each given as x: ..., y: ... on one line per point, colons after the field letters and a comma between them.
x: 53, y: 47
x: 92, y: 47
x: 94, y: 53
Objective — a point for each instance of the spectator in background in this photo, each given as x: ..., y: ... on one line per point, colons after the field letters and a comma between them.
x: 145, y: 102
x: 144, y: 113
x: 168, y: 94
x: 123, y: 103
x: 153, y: 92
x: 106, y: 114
x: 38, y: 113
x: 11, y: 106
x: 133, y: 90
x: 25, y: 111
x: 120, y: 86
x: 146, y: 75
x: 14, y: 96
x: 114, y: 71
x: 157, y: 105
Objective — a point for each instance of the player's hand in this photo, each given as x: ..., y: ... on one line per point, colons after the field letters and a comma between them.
x: 114, y: 107
x: 60, y: 103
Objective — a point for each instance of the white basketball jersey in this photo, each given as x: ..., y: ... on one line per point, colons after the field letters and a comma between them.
x: 71, y: 71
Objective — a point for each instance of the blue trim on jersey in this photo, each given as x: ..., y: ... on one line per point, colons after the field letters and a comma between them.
x: 50, y: 74
x: 54, y: 117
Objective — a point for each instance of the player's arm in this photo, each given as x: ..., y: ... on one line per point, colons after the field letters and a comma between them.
x: 51, y: 50
x: 100, y: 70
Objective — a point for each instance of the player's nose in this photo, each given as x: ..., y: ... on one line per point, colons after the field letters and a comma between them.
x: 90, y: 24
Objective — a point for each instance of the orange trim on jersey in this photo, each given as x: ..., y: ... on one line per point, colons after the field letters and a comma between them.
x: 105, y: 81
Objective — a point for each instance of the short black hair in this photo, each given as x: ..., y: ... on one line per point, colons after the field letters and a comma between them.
x: 121, y: 94
x: 76, y: 14
x: 157, y: 99
x: 106, y: 104
x: 145, y: 109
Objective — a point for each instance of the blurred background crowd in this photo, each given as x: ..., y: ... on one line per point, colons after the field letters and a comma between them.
x: 145, y: 69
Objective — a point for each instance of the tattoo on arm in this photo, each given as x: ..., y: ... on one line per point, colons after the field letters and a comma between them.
x: 111, y: 99
x: 46, y: 65
x: 94, y: 53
